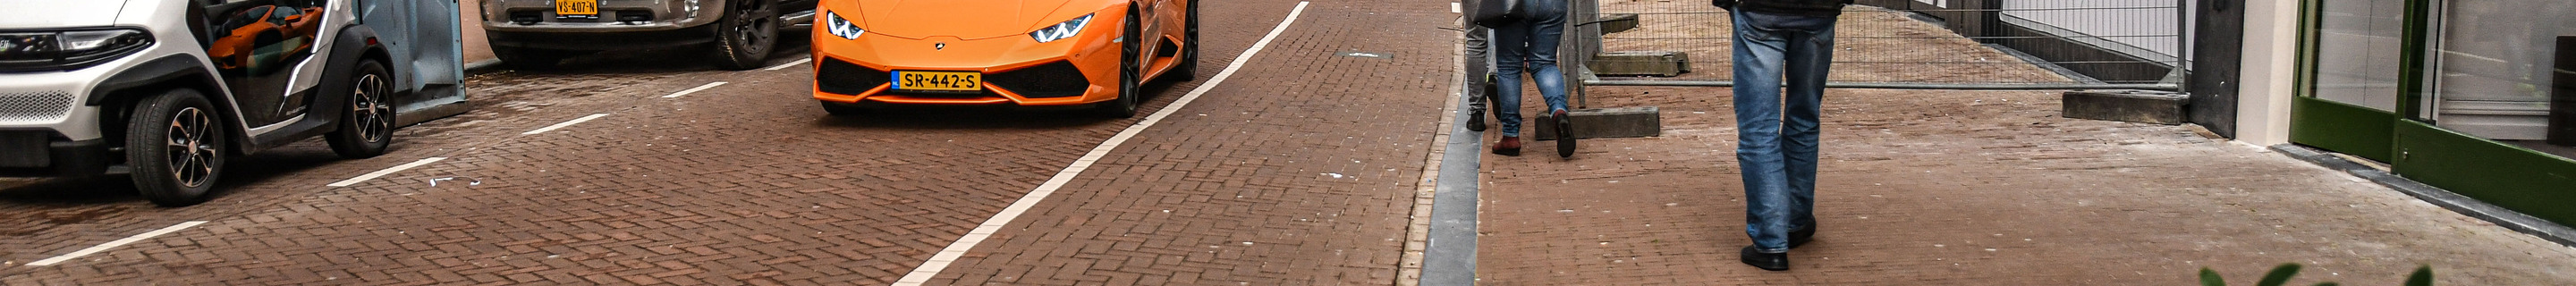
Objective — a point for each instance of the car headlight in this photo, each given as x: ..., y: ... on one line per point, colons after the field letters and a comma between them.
x: 841, y: 27
x: 64, y: 50
x: 1061, y: 31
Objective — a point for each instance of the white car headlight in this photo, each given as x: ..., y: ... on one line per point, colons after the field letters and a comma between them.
x: 841, y: 27
x: 1061, y: 31
x: 66, y: 50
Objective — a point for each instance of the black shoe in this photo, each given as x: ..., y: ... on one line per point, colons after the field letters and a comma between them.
x: 1564, y: 134
x: 1766, y: 261
x: 1801, y: 236
x: 1476, y: 120
x: 1491, y: 97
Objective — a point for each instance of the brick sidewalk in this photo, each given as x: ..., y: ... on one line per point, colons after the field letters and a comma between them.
x: 1298, y: 171
x: 1970, y: 187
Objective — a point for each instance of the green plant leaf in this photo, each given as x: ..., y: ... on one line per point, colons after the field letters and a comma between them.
x: 2210, y: 278
x: 2280, y: 275
x: 2423, y: 277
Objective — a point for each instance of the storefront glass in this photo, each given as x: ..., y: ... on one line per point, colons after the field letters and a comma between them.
x: 2497, y: 68
x: 2357, y: 52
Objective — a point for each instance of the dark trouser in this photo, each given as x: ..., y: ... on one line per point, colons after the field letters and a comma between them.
x: 1479, y: 65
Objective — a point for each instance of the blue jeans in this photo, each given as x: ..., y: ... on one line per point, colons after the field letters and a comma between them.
x: 1778, y: 153
x: 1529, y: 47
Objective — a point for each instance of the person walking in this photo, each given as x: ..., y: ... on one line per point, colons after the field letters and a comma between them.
x: 1480, y: 67
x: 1777, y: 41
x: 1529, y: 47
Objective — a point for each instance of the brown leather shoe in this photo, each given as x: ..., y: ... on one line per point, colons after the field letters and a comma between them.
x: 1510, y: 146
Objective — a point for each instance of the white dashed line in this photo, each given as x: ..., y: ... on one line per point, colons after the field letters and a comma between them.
x: 386, y: 171
x: 790, y: 64
x: 565, y: 123
x: 114, y: 244
x: 1453, y: 7
x: 694, y: 89
x: 940, y: 261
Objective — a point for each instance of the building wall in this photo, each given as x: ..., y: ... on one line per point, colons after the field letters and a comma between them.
x: 2270, y: 69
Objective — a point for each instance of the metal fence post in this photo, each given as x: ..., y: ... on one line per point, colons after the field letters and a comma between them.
x: 1574, y: 54
x: 2182, y: 44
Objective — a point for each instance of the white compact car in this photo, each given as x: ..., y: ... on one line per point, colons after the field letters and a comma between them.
x: 168, y: 90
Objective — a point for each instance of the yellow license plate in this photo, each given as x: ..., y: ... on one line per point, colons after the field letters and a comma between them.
x: 947, y: 81
x: 576, y: 7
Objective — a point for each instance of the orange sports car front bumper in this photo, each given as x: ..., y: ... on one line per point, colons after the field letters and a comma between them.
x: 1016, y: 69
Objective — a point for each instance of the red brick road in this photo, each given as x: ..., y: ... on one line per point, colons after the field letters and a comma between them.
x: 749, y: 182
x: 1300, y: 184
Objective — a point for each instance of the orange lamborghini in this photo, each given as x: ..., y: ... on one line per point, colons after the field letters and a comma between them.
x: 1006, y: 52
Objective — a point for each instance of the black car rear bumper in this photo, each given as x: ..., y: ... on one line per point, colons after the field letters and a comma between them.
x: 599, y: 41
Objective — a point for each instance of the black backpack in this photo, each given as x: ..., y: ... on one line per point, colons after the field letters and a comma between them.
x: 1499, y: 13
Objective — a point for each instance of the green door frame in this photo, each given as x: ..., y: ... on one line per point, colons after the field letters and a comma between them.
x: 2516, y: 178
x: 2336, y: 126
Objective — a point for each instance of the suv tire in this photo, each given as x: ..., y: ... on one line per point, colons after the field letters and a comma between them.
x: 746, y: 34
x: 367, y: 126
x: 175, y: 145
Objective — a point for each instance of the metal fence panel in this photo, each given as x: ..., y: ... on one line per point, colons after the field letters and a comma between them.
x: 1929, y: 44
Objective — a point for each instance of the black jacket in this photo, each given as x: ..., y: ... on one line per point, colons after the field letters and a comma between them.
x: 1810, y: 8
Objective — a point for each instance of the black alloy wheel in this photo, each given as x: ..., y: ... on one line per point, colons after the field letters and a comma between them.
x: 1130, y: 70
x: 1188, y: 68
x: 746, y: 34
x: 367, y: 127
x: 175, y: 146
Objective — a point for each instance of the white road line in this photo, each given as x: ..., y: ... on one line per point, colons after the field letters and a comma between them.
x: 694, y: 89
x: 565, y: 123
x: 1453, y: 7
x: 114, y: 244
x: 940, y: 261
x: 790, y: 64
x: 386, y: 171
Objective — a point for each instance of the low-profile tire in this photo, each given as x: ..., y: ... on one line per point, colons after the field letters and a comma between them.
x: 1130, y: 72
x: 746, y: 34
x: 1188, y: 67
x: 175, y: 145
x: 530, y: 59
x: 366, y: 127
x: 843, y: 110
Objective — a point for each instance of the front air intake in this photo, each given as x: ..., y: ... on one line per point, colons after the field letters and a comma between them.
x: 845, y: 78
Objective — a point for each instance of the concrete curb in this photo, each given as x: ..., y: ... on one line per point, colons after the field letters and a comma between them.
x: 483, y: 66
x: 1450, y: 258
x: 2455, y: 202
